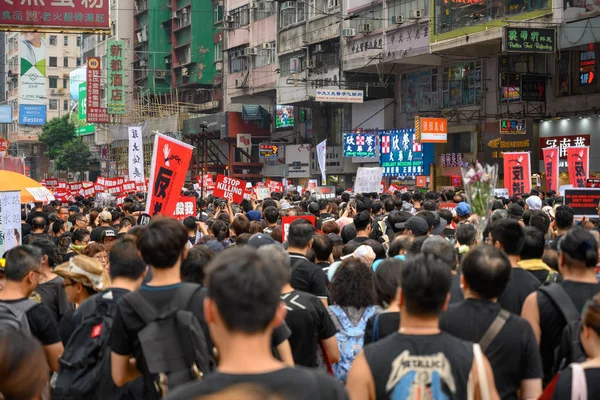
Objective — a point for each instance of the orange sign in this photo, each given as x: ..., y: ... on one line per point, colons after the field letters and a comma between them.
x: 421, y: 181
x: 434, y: 130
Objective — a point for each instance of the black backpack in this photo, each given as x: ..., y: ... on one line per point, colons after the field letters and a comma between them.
x: 173, y: 343
x: 84, y: 367
x: 13, y: 316
x: 570, y: 349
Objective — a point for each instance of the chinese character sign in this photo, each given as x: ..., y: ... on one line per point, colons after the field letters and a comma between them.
x: 136, y: 154
x: 115, y: 74
x: 186, y: 207
x: 32, y: 90
x: 10, y: 220
x: 170, y: 163
x: 551, y: 168
x: 79, y: 14
x: 529, y: 40
x: 95, y: 113
x: 517, y: 173
x: 563, y: 143
x: 578, y: 161
x: 359, y: 144
x: 400, y: 155
x: 434, y: 130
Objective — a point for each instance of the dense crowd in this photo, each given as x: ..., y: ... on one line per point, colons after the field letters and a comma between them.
x: 362, y: 296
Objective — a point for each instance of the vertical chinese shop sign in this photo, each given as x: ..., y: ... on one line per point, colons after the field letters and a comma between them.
x: 517, y: 173
x: 95, y: 113
x: 116, y: 77
x: 578, y: 162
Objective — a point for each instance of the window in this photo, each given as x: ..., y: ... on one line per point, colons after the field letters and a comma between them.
x: 65, y: 105
x: 53, y: 103
x: 78, y: 61
x: 66, y: 61
x: 78, y: 41
x: 577, y: 72
x: 372, y: 16
x: 65, y: 83
x: 237, y: 61
x: 402, y: 8
x: 53, y: 62
x: 241, y: 16
x: 265, y: 10
x: 53, y: 82
x: 266, y: 55
x: 462, y: 84
x: 332, y: 4
x: 291, y: 16
x: 218, y: 12
x: 285, y: 62
x: 52, y: 40
x: 66, y: 40
x: 218, y: 51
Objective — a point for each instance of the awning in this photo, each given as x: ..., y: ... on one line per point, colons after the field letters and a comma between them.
x: 253, y: 112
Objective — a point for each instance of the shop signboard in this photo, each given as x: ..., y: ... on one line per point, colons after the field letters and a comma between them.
x: 513, y: 127
x: 72, y: 15
x: 400, y: 154
x: 116, y: 76
x: 529, y: 40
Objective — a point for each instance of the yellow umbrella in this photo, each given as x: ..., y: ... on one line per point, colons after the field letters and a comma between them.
x: 30, y: 190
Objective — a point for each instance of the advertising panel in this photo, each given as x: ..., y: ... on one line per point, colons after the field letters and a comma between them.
x: 5, y: 114
x: 115, y: 74
x: 94, y: 113
x: 32, y: 105
x: 85, y: 15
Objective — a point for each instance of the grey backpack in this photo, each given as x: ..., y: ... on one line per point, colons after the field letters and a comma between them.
x: 13, y: 316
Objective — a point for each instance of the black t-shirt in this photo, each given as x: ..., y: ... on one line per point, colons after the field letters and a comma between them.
x: 127, y: 324
x: 309, y: 321
x: 399, y: 361
x: 96, y: 235
x: 513, y: 354
x: 563, y: 386
x: 287, y: 383
x: 358, y: 240
x: 456, y: 294
x: 25, y: 229
x: 54, y: 297
x: 552, y: 322
x: 65, y: 327
x: 308, y: 277
x: 32, y: 236
x: 35, y: 214
x: 41, y: 324
x: 521, y: 285
x: 387, y: 323
x: 87, y: 308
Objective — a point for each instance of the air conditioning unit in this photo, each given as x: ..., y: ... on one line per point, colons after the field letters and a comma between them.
x: 61, y: 91
x: 397, y: 19
x: 348, y: 32
x: 184, y: 10
x: 319, y: 48
x: 288, y: 5
x: 145, y: 34
x: 185, y: 71
x: 266, y: 46
x: 253, y: 4
x: 250, y: 51
x: 294, y: 65
x: 52, y: 91
x: 175, y: 15
x: 416, y: 14
x: 160, y: 74
x: 366, y: 28
x: 229, y: 19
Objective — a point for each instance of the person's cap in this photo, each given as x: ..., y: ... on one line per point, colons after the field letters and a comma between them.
x: 74, y: 209
x: 515, y: 210
x: 285, y: 205
x: 254, y: 215
x: 214, y: 245
x: 335, y: 238
x: 463, y: 209
x: 534, y: 203
x: 364, y: 253
x: 548, y: 210
x: 406, y: 206
x: 260, y: 239
x: 108, y: 233
x: 440, y: 224
x: 105, y: 216
x: 417, y: 225
x: 85, y: 270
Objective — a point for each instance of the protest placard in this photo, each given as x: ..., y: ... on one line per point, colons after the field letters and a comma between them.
x: 324, y: 192
x: 501, y: 192
x: 368, y: 180
x: 286, y: 222
x: 229, y: 188
x: 584, y: 201
x: 186, y: 207
x: 10, y: 220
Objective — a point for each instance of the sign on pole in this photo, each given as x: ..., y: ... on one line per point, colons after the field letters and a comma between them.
x: 136, y: 154
x: 95, y: 113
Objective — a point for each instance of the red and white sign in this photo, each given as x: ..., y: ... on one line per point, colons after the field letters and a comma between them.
x: 121, y: 199
x: 393, y: 188
x: 551, y: 162
x: 275, y: 186
x: 186, y: 207
x: 129, y: 186
x: 434, y: 130
x: 61, y: 185
x: 114, y: 190
x: 448, y: 206
x: 421, y: 181
x: 60, y: 14
x: 170, y: 163
x: 87, y: 192
x: 517, y: 173
x: 51, y: 182
x: 101, y: 181
x: 578, y: 162
x: 229, y: 188
x: 287, y: 221
x: 140, y: 186
x: 95, y: 113
x: 99, y: 188
x: 207, y: 181
x: 87, y: 184
x: 75, y: 187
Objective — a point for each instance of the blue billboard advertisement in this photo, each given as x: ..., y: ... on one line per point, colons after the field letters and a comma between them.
x: 5, y: 114
x: 32, y: 114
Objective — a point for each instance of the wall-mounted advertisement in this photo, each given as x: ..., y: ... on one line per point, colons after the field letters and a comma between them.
x: 284, y: 116
x: 76, y: 78
x: 83, y: 15
x: 5, y: 114
x: 32, y: 105
x: 576, y: 10
x: 116, y: 76
x: 420, y: 91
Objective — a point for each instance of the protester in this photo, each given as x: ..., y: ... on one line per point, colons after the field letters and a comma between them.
x: 563, y: 222
x: 38, y: 226
x: 105, y: 218
x: 444, y: 251
x: 323, y: 249
x: 97, y: 251
x: 531, y: 256
x: 516, y: 364
x: 80, y: 239
x: 394, y: 366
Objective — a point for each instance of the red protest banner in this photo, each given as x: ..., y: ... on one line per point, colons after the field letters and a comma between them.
x: 129, y: 186
x: 275, y: 186
x: 578, y: 163
x: 186, y: 207
x: 51, y: 182
x: 421, y: 181
x: 75, y: 187
x: 551, y: 162
x: 87, y: 192
x: 115, y: 190
x: 517, y: 173
x: 87, y: 184
x: 393, y: 188
x: 448, y: 206
x: 61, y: 185
x: 170, y: 163
x: 206, y: 181
x: 101, y: 181
x: 287, y: 221
x: 229, y: 188
x: 121, y: 199
x: 140, y: 186
x: 99, y: 188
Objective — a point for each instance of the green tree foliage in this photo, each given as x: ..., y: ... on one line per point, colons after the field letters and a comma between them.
x: 74, y: 156
x: 55, y: 134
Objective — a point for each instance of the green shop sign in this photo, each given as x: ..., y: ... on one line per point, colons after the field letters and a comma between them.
x: 529, y: 40
x: 85, y: 130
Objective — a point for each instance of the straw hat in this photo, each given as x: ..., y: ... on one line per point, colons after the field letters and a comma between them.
x: 85, y: 270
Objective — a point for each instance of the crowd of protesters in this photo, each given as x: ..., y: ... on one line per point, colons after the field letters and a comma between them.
x: 381, y: 297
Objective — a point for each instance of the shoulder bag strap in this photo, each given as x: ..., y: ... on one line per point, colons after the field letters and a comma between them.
x: 141, y: 306
x: 184, y: 295
x: 561, y: 299
x: 578, y: 383
x: 375, y: 334
x: 484, y: 388
x: 493, y: 330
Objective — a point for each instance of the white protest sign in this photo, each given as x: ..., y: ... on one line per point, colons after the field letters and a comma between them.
x: 368, y: 180
x: 502, y: 192
x: 262, y: 193
x: 10, y: 220
x: 561, y: 189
